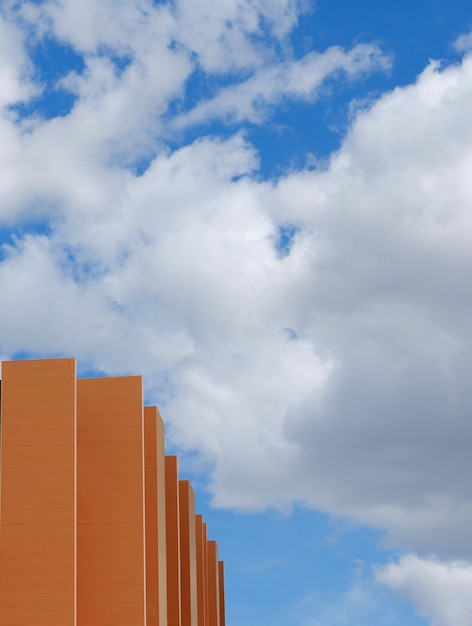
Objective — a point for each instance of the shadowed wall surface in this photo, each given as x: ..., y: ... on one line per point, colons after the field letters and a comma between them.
x: 221, y: 589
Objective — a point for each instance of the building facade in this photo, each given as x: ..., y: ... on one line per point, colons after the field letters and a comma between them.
x: 96, y: 528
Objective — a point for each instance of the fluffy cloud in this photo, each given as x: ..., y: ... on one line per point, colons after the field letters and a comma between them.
x: 439, y: 591
x: 15, y: 68
x: 223, y: 37
x: 362, y: 603
x: 387, y: 295
x: 229, y: 35
x: 464, y: 42
x: 297, y: 79
x: 125, y: 28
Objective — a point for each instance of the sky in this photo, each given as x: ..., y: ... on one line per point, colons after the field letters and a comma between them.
x: 265, y: 208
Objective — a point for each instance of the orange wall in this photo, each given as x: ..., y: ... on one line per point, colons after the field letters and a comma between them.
x: 173, y: 542
x: 221, y: 587
x: 150, y: 464
x: 156, y: 575
x: 205, y: 574
x: 110, y: 502
x: 161, y: 522
x: 201, y: 567
x: 213, y: 584
x: 188, y: 555
x: 95, y: 527
x: 37, y: 564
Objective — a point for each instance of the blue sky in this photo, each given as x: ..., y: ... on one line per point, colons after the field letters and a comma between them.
x: 264, y: 208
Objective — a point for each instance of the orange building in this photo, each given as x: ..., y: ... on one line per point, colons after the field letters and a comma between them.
x: 96, y: 529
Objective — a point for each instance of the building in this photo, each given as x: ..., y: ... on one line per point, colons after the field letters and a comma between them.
x: 96, y: 529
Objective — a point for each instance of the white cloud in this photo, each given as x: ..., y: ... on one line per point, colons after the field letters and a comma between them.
x: 223, y: 37
x: 361, y: 603
x: 228, y: 35
x: 15, y: 69
x: 439, y: 591
x: 386, y: 292
x: 464, y: 42
x: 124, y: 28
x: 295, y: 79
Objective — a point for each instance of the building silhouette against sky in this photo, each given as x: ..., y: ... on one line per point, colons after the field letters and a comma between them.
x: 96, y: 529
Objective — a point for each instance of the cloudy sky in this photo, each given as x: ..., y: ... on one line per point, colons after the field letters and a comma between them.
x: 265, y: 208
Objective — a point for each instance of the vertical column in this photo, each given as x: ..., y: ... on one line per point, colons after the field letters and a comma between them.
x: 37, y: 516
x: 213, y: 584
x: 173, y: 542
x: 156, y: 574
x: 161, y: 522
x: 201, y: 566
x: 188, y: 555
x: 205, y: 572
x: 221, y: 585
x: 110, y: 502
